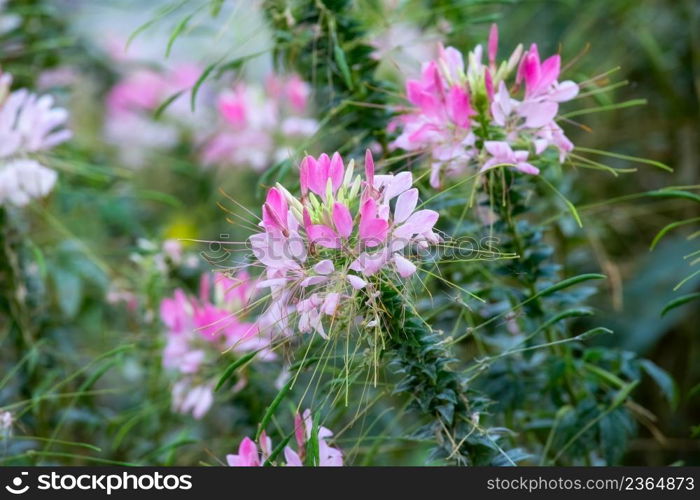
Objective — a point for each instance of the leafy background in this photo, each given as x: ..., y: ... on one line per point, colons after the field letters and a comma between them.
x: 75, y: 365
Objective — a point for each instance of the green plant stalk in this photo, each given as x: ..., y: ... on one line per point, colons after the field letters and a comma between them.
x: 439, y: 395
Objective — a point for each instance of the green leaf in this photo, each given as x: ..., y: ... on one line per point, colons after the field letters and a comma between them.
x: 162, y: 12
x: 679, y: 301
x: 674, y: 193
x: 663, y: 380
x: 619, y: 156
x: 569, y: 313
x: 343, y: 65
x: 181, y: 26
x: 624, y: 393
x: 92, y: 379
x: 221, y: 66
x: 273, y: 406
x: 277, y: 450
x: 566, y: 201
x: 233, y: 367
x: 171, y: 446
x: 594, y: 332
x: 216, y: 7
x: 669, y: 227
x: 313, y: 451
x: 164, y: 105
x: 569, y: 282
x: 610, y: 107
x: 195, y: 88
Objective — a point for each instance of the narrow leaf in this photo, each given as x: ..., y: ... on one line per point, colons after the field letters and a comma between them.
x: 273, y: 406
x: 233, y: 367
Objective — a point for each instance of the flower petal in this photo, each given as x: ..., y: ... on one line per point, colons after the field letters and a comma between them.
x: 405, y: 205
x: 323, y: 235
x: 342, y: 220
x: 422, y: 221
x: 356, y: 282
x: 336, y: 170
x: 397, y: 185
x: 374, y: 232
x: 330, y: 304
x: 324, y: 267
x: 404, y: 267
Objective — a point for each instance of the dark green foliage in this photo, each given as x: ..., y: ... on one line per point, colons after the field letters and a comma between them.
x: 448, y: 409
x: 325, y: 43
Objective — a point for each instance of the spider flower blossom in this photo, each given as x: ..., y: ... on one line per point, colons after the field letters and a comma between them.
x: 199, y: 329
x: 250, y: 455
x: 130, y: 103
x: 323, y: 247
x: 257, y: 124
x: 478, y: 115
x: 29, y: 124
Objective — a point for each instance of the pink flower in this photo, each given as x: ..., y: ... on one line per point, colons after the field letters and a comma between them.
x: 315, y: 174
x: 256, y: 123
x: 130, y: 103
x: 522, y: 95
x: 317, y: 248
x: 200, y: 329
x: 142, y: 90
x: 233, y: 108
x: 249, y: 456
x: 538, y: 77
x: 502, y: 154
x: 493, y: 45
x: 297, y: 91
x: 192, y: 399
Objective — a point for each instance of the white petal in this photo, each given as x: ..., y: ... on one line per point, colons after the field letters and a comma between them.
x: 405, y: 205
x: 324, y: 267
x: 404, y: 266
x: 356, y: 282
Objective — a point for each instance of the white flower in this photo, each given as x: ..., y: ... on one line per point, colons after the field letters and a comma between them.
x: 28, y: 124
x: 24, y: 180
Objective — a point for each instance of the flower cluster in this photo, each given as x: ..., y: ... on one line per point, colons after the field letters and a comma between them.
x: 256, y: 126
x: 249, y: 455
x: 322, y: 248
x: 130, y: 104
x: 28, y: 124
x: 484, y: 115
x: 199, y: 329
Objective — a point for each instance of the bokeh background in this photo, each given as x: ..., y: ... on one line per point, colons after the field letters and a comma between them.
x: 100, y: 233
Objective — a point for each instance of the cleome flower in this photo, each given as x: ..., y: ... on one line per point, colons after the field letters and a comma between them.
x: 29, y: 124
x: 250, y: 456
x: 480, y: 115
x: 200, y: 329
x: 326, y: 246
x: 256, y: 125
x: 129, y: 106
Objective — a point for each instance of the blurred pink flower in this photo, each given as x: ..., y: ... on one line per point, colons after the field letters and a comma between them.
x: 199, y: 329
x: 257, y: 123
x: 130, y: 103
